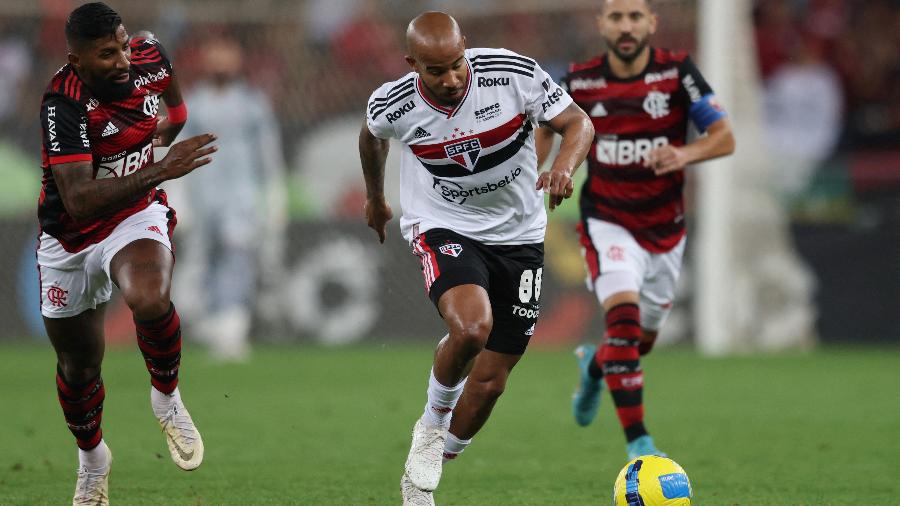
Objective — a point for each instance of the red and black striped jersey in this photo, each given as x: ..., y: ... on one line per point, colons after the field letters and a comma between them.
x: 114, y: 135
x: 631, y: 117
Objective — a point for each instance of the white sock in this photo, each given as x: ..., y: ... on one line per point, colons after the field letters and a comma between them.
x: 95, y: 459
x: 161, y: 402
x: 453, y: 446
x: 441, y: 401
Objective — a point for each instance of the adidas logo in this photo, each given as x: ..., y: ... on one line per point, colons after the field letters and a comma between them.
x: 109, y: 130
x: 420, y: 133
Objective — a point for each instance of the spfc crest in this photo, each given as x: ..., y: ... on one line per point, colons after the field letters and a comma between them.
x: 464, y: 152
x: 451, y: 248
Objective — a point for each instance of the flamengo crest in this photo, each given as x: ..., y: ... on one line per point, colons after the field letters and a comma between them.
x: 657, y: 104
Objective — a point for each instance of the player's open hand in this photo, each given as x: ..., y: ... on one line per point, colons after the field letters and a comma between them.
x: 378, y: 213
x: 185, y: 156
x: 666, y: 159
x: 558, y: 184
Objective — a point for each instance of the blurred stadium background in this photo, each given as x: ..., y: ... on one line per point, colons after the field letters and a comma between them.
x: 819, y: 90
x: 794, y: 245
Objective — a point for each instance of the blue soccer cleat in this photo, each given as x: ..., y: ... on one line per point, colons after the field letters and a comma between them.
x: 586, y: 400
x: 643, y: 446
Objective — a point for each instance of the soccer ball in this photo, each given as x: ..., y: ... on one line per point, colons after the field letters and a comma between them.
x: 652, y: 481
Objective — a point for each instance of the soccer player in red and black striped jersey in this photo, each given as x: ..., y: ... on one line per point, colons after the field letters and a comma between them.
x: 640, y: 99
x: 103, y: 221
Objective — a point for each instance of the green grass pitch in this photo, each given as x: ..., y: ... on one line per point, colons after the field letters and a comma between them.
x: 318, y: 426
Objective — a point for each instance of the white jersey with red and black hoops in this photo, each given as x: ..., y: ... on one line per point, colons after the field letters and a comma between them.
x: 471, y: 168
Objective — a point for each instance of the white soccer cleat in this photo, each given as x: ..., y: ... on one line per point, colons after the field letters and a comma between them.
x: 183, y: 438
x: 423, y: 465
x: 413, y: 496
x: 92, y: 488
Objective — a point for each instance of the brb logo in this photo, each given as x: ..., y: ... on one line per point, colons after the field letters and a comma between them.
x: 454, y: 192
x: 124, y: 163
x: 464, y: 152
x: 405, y: 108
x: 628, y: 151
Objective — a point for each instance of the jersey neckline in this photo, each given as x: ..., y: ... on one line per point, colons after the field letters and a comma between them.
x: 444, y: 110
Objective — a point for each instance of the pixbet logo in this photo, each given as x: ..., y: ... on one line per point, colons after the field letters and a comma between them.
x: 405, y: 108
x: 146, y: 79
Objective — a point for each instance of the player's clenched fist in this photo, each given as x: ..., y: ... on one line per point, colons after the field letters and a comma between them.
x: 558, y: 184
x: 378, y: 213
x: 665, y: 159
x: 185, y: 156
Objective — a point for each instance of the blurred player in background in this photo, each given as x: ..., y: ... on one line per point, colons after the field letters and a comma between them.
x: 473, y: 214
x: 226, y: 245
x: 640, y: 99
x: 103, y: 221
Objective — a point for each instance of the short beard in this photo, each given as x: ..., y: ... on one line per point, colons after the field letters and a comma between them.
x: 628, y: 57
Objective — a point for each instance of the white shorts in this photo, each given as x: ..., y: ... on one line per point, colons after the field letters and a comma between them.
x: 611, y: 250
x: 72, y: 283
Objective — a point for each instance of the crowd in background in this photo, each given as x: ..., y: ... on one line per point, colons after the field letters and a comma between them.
x: 830, y: 67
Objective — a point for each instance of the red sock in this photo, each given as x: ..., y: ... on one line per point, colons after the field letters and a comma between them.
x: 620, y: 361
x: 160, y: 343
x: 82, y: 406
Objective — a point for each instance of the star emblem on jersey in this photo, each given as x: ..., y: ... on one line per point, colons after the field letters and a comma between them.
x: 421, y: 133
x: 657, y: 104
x: 464, y: 152
x: 109, y: 129
x: 451, y: 249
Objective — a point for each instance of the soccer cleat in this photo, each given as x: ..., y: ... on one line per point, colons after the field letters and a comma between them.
x: 413, y: 496
x: 92, y: 488
x: 423, y: 465
x: 185, y: 443
x: 643, y: 446
x: 586, y: 400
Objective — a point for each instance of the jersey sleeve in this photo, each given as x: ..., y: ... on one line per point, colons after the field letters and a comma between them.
x: 376, y: 120
x: 704, y: 109
x: 64, y: 126
x: 544, y: 98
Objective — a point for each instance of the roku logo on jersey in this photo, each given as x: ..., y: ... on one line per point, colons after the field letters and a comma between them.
x: 405, y: 108
x: 489, y: 82
x: 124, y: 164
x: 627, y: 152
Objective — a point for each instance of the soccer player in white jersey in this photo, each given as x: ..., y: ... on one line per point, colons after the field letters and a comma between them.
x: 473, y: 213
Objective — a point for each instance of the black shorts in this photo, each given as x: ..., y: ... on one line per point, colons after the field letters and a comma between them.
x: 511, y: 275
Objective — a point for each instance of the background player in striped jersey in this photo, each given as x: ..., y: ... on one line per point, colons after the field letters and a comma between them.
x: 473, y: 213
x: 104, y: 221
x: 640, y: 99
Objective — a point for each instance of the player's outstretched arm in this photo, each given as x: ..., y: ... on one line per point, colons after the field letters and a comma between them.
x: 718, y: 141
x: 168, y: 127
x: 577, y: 134
x: 373, y: 154
x: 85, y: 197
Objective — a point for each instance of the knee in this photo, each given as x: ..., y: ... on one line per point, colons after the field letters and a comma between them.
x: 147, y: 303
x: 80, y: 370
x: 472, y: 334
